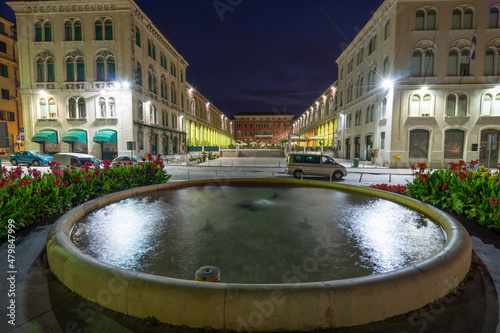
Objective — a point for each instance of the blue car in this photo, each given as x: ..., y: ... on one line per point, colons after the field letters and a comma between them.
x: 30, y: 157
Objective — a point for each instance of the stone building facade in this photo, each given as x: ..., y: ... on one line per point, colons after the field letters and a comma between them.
x: 262, y: 129
x: 98, y: 74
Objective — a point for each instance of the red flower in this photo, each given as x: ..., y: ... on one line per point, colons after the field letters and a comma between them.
x: 435, y: 187
x: 89, y: 176
x: 66, y: 183
x: 462, y: 176
x: 423, y: 177
x: 78, y: 178
x: 57, y: 182
x: 98, y: 173
x: 445, y: 186
x: 493, y: 201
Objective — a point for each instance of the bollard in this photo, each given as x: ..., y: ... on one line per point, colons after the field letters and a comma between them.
x: 188, y: 175
x: 360, y: 177
x: 215, y: 174
x: 390, y: 177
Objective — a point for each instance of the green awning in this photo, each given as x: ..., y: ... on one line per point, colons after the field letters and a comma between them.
x: 45, y: 136
x: 108, y: 136
x: 79, y: 136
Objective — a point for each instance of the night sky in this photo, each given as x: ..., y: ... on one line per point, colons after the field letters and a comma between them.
x: 258, y: 55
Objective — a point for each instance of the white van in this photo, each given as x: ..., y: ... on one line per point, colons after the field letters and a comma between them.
x: 298, y: 164
x: 75, y: 160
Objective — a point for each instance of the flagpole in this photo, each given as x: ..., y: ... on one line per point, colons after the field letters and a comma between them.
x: 471, y: 54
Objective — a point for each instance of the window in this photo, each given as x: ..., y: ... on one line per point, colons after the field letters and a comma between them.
x: 3, y: 47
x: 5, y: 94
x: 153, y: 52
x: 491, y: 107
x: 163, y: 87
x: 464, y: 63
x: 153, y: 114
x: 98, y: 30
x: 420, y: 20
x: 468, y: 19
x: 138, y: 74
x: 489, y: 62
x: 453, y: 144
x: 384, y: 109
x: 173, y: 94
x: 453, y: 63
x: 2, y: 28
x: 45, y: 70
x: 70, y: 69
x: 431, y: 19
x: 420, y: 107
x: 462, y: 19
x: 419, y: 144
x: 386, y: 67
x: 43, y: 31
x: 493, y: 18
x: 359, y: 87
x: 456, y: 22
x: 372, y: 46
x: 382, y: 140
x: 76, y: 108
x: 349, y: 92
x: 105, y: 65
x: 387, y: 30
x: 422, y: 63
x: 139, y: 110
x: 72, y: 30
x: 108, y: 29
x: 456, y: 105
x: 137, y: 36
x: 102, y: 107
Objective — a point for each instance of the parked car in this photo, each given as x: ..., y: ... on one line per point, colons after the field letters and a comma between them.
x: 126, y: 159
x: 75, y: 160
x: 313, y: 164
x: 30, y: 157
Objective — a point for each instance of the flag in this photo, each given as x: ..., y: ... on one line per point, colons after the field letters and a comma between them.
x: 473, y: 47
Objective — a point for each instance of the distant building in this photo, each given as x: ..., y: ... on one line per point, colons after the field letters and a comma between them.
x: 10, y: 101
x: 415, y: 86
x: 261, y: 128
x: 98, y: 74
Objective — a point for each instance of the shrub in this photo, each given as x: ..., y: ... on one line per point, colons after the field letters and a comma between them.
x: 26, y: 198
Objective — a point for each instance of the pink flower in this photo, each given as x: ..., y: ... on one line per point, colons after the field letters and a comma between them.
x: 57, y: 182
x: 66, y: 183
x: 89, y: 176
x: 78, y: 178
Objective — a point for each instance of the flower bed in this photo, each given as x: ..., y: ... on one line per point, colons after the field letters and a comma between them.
x: 461, y: 188
x: 26, y: 198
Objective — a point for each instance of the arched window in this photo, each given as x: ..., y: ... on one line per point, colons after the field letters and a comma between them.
x: 489, y: 62
x: 192, y: 106
x: 453, y: 63
x: 415, y: 106
x: 431, y: 19
x: 43, y: 108
x: 416, y: 63
x: 419, y: 144
x: 47, y: 28
x: 464, y: 63
x: 150, y: 80
x: 384, y: 109
x: 493, y: 18
x: 105, y: 68
x: 427, y: 106
x: 487, y: 105
x: 38, y: 32
x: 80, y: 69
x: 149, y: 48
x: 68, y: 30
x: 76, y: 108
x: 45, y: 69
x: 162, y: 86
x: 456, y: 22
x: 387, y: 29
x: 139, y: 110
x: 112, y: 107
x: 78, y: 30
x: 100, y: 65
x: 173, y: 94
x: 429, y: 63
x: 468, y: 19
x: 52, y: 108
x: 386, y: 67
x: 154, y: 52
x: 138, y: 74
x: 70, y: 70
x: 454, y: 144
x: 102, y: 107
x: 98, y: 30
x: 330, y: 109
x: 108, y: 29
x: 420, y: 20
x: 154, y: 83
x: 456, y: 106
x: 137, y: 36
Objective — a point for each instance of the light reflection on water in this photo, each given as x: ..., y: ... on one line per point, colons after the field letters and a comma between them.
x: 254, y: 236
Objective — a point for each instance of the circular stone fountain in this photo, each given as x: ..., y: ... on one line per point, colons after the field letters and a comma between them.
x: 291, y: 275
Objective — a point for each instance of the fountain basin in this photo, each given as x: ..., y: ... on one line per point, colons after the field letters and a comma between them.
x: 261, y: 307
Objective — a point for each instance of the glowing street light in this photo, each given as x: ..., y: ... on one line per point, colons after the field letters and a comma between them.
x: 388, y: 84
